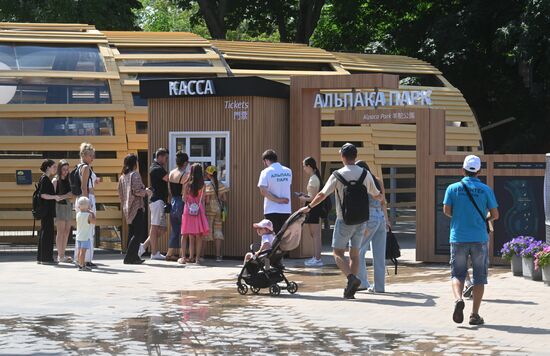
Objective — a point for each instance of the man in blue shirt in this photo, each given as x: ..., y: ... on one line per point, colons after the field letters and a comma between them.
x: 471, y: 205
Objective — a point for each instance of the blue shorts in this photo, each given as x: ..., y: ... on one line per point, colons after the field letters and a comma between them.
x: 84, y: 244
x: 479, y: 254
x: 343, y: 234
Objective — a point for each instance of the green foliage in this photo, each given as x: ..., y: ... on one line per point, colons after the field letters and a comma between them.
x: 165, y: 16
x: 104, y: 14
x: 496, y: 52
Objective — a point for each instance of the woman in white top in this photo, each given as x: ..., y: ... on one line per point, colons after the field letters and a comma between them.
x: 88, y: 181
x: 312, y: 224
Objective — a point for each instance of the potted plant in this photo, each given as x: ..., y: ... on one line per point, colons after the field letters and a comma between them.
x: 511, y: 251
x: 542, y: 263
x: 528, y: 260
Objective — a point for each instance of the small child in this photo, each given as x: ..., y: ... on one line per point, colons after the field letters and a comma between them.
x: 264, y: 229
x: 85, y: 218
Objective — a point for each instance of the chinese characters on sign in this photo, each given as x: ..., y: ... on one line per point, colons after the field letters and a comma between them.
x: 239, y: 108
x: 389, y: 115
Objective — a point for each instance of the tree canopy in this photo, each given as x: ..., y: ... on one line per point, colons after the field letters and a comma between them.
x: 104, y: 14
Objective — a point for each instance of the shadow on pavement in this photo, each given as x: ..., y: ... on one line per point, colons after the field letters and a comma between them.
x: 515, y: 329
x: 508, y: 301
x: 428, y: 302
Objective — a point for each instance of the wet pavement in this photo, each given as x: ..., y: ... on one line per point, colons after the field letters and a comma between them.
x: 109, y: 313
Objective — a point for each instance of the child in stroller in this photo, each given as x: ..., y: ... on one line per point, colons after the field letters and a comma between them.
x: 262, y: 266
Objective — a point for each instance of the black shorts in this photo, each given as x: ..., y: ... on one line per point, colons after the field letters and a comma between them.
x: 278, y: 220
x: 314, y: 215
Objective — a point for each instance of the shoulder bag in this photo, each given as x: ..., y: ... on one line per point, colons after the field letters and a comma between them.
x: 487, y: 224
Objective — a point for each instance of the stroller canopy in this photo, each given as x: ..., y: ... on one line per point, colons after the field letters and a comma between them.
x: 291, y: 232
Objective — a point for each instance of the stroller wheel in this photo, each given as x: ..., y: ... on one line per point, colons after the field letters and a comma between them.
x: 255, y: 290
x: 292, y: 287
x: 242, y: 288
x: 275, y: 290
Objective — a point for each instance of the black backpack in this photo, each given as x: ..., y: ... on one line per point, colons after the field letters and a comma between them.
x: 355, y: 202
x: 393, y: 251
x: 76, y: 181
x: 38, y: 211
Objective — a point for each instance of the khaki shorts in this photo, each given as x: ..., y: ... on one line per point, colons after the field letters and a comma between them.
x: 158, y: 216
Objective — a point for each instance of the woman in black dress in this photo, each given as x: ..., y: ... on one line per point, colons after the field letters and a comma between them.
x: 47, y: 203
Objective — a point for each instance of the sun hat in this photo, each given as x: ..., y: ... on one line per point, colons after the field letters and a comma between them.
x: 264, y: 224
x: 472, y: 163
x: 211, y: 170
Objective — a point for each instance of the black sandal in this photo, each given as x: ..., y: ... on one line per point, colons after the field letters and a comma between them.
x: 458, y: 314
x: 475, y: 319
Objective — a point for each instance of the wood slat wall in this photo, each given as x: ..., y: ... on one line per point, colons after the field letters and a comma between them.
x: 267, y: 127
x: 123, y: 83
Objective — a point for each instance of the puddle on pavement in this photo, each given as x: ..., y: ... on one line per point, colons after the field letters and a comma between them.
x: 219, y: 322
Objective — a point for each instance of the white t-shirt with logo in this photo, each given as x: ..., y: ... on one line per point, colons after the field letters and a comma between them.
x: 277, y: 180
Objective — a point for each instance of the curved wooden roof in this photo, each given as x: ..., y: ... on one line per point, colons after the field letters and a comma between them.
x: 131, y: 55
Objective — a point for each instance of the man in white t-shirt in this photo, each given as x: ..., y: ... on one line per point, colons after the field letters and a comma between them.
x: 344, y: 233
x: 274, y: 184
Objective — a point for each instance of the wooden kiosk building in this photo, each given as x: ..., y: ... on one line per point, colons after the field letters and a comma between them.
x: 61, y: 84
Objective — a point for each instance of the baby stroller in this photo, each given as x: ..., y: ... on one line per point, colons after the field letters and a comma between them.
x: 266, y: 271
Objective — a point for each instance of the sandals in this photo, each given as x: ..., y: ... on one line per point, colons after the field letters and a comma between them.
x: 475, y: 319
x: 64, y: 259
x: 181, y: 260
x: 172, y: 258
x: 458, y: 313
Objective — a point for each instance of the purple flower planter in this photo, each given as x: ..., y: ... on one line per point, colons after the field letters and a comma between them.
x: 529, y: 271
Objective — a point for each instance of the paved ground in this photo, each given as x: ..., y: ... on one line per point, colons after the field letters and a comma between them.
x: 161, y: 308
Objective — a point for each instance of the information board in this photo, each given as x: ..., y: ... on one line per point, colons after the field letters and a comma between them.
x: 521, y: 207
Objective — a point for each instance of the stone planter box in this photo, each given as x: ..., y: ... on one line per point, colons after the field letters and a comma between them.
x: 516, y: 265
x: 528, y: 265
x: 546, y: 275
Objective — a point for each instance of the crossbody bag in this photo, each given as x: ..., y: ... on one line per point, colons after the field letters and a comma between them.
x: 487, y: 224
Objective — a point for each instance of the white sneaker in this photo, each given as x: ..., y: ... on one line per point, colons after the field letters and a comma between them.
x: 141, y: 250
x: 309, y: 261
x: 158, y: 256
x: 314, y: 263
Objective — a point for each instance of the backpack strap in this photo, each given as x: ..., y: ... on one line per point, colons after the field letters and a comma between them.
x: 474, y: 203
x: 340, y: 178
x: 363, y: 176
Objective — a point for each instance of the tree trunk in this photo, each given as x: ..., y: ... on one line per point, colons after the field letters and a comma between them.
x: 213, y: 12
x: 308, y: 16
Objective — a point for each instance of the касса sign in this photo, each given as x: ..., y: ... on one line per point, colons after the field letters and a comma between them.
x: 373, y: 99
x: 190, y: 87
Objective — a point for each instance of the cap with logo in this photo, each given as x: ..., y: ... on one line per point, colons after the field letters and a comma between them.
x: 472, y: 163
x: 264, y: 224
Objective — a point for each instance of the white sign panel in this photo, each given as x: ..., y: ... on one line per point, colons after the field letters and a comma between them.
x: 373, y: 99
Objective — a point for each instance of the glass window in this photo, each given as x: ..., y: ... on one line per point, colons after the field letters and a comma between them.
x: 141, y: 127
x: 52, y: 154
x: 138, y: 100
x: 200, y: 146
x: 161, y: 63
x: 206, y: 148
x: 57, y: 126
x: 160, y: 50
x: 52, y: 57
x: 54, y: 91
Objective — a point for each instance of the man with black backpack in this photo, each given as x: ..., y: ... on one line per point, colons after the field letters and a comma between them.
x: 352, y: 185
x: 467, y: 203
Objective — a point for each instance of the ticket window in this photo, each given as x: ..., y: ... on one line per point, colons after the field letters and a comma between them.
x: 206, y: 148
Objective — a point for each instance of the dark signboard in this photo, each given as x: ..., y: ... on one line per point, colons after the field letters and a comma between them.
x: 454, y: 165
x: 519, y: 165
x: 521, y: 207
x: 442, y: 222
x: 23, y: 176
x: 197, y: 87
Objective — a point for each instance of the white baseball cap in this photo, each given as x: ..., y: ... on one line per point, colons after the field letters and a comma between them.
x: 264, y: 224
x: 472, y: 163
